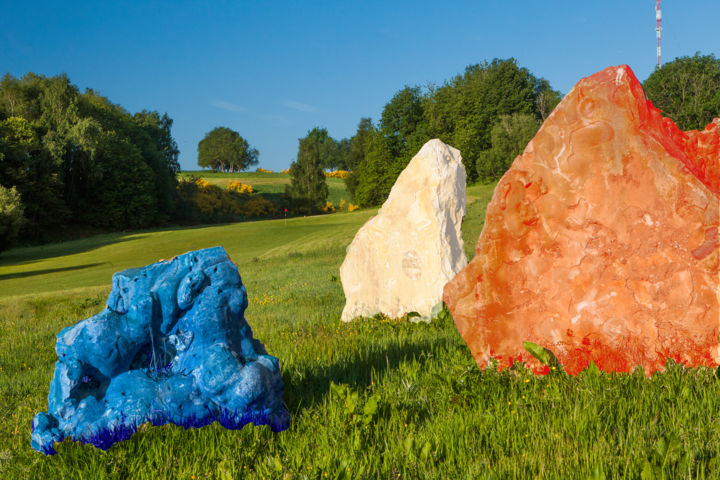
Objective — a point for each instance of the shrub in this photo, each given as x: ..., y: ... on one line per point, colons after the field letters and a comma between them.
x: 237, y: 186
x: 327, y: 208
x: 352, y: 208
x: 338, y: 174
x: 263, y: 170
x: 258, y: 207
x: 341, y: 205
x: 286, y: 171
x: 11, y: 216
x: 201, y: 201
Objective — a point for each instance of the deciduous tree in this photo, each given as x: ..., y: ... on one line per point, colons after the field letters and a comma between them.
x: 224, y: 150
x: 11, y: 216
x: 509, y: 137
x: 308, y: 189
x: 687, y: 90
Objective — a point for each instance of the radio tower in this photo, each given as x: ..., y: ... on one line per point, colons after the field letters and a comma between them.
x: 658, y: 28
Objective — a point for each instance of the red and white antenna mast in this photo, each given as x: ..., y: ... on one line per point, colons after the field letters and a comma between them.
x: 658, y: 28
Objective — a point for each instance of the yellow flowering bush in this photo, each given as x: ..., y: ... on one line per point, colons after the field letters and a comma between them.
x: 337, y: 174
x: 286, y: 171
x: 263, y: 170
x: 239, y: 187
x: 341, y: 205
x: 328, y: 208
x: 352, y: 208
x: 202, y: 183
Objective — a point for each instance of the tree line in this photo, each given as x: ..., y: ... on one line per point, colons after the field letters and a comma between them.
x: 75, y: 158
x: 71, y: 157
x: 489, y: 112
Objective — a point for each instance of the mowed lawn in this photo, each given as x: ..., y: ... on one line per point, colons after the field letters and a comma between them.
x: 92, y: 261
x: 269, y: 185
x: 412, y: 403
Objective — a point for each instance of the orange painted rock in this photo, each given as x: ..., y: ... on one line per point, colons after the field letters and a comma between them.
x: 601, y: 241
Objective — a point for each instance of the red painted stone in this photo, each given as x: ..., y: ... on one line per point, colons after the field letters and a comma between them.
x: 601, y: 241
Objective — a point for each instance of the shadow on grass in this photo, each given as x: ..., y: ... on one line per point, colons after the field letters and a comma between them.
x: 20, y: 256
x: 356, y: 372
x: 32, y: 273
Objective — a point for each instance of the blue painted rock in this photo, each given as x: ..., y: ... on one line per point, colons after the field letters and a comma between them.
x: 172, y: 346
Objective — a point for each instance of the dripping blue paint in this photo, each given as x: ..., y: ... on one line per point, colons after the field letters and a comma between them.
x: 172, y: 346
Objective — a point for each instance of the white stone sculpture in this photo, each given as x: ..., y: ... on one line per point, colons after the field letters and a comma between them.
x: 401, y: 259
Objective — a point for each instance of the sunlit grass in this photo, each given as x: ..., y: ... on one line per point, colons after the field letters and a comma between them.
x: 408, y: 400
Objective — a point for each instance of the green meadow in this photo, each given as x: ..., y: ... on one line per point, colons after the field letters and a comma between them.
x: 377, y: 398
x: 269, y: 184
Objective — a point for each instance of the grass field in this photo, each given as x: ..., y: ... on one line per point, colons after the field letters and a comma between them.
x: 269, y: 185
x: 438, y: 415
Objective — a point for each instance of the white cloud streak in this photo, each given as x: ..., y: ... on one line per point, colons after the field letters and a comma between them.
x: 302, y: 107
x: 231, y: 107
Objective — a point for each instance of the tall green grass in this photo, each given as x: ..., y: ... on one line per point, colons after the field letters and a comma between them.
x: 378, y: 398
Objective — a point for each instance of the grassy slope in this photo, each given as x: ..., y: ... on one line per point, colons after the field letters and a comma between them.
x: 438, y: 415
x: 270, y: 184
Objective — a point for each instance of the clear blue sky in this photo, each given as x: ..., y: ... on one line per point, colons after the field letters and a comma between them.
x: 274, y: 70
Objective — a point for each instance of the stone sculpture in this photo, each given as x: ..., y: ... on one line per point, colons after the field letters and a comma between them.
x: 172, y: 346
x: 400, y: 260
x: 601, y: 241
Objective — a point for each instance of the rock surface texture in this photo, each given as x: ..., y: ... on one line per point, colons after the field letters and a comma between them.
x: 401, y: 259
x: 601, y: 241
x: 172, y: 346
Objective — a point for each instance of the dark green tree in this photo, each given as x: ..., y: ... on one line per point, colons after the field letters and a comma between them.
x: 357, y: 151
x: 509, y: 136
x: 402, y: 122
x: 326, y: 145
x: 160, y: 153
x: 308, y: 189
x: 112, y: 139
x: 78, y: 158
x: 342, y: 154
x: 225, y: 150
x: 358, y: 143
x: 463, y: 111
x: 377, y: 172
x: 687, y: 90
x: 546, y: 99
x: 30, y: 168
x: 11, y: 216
